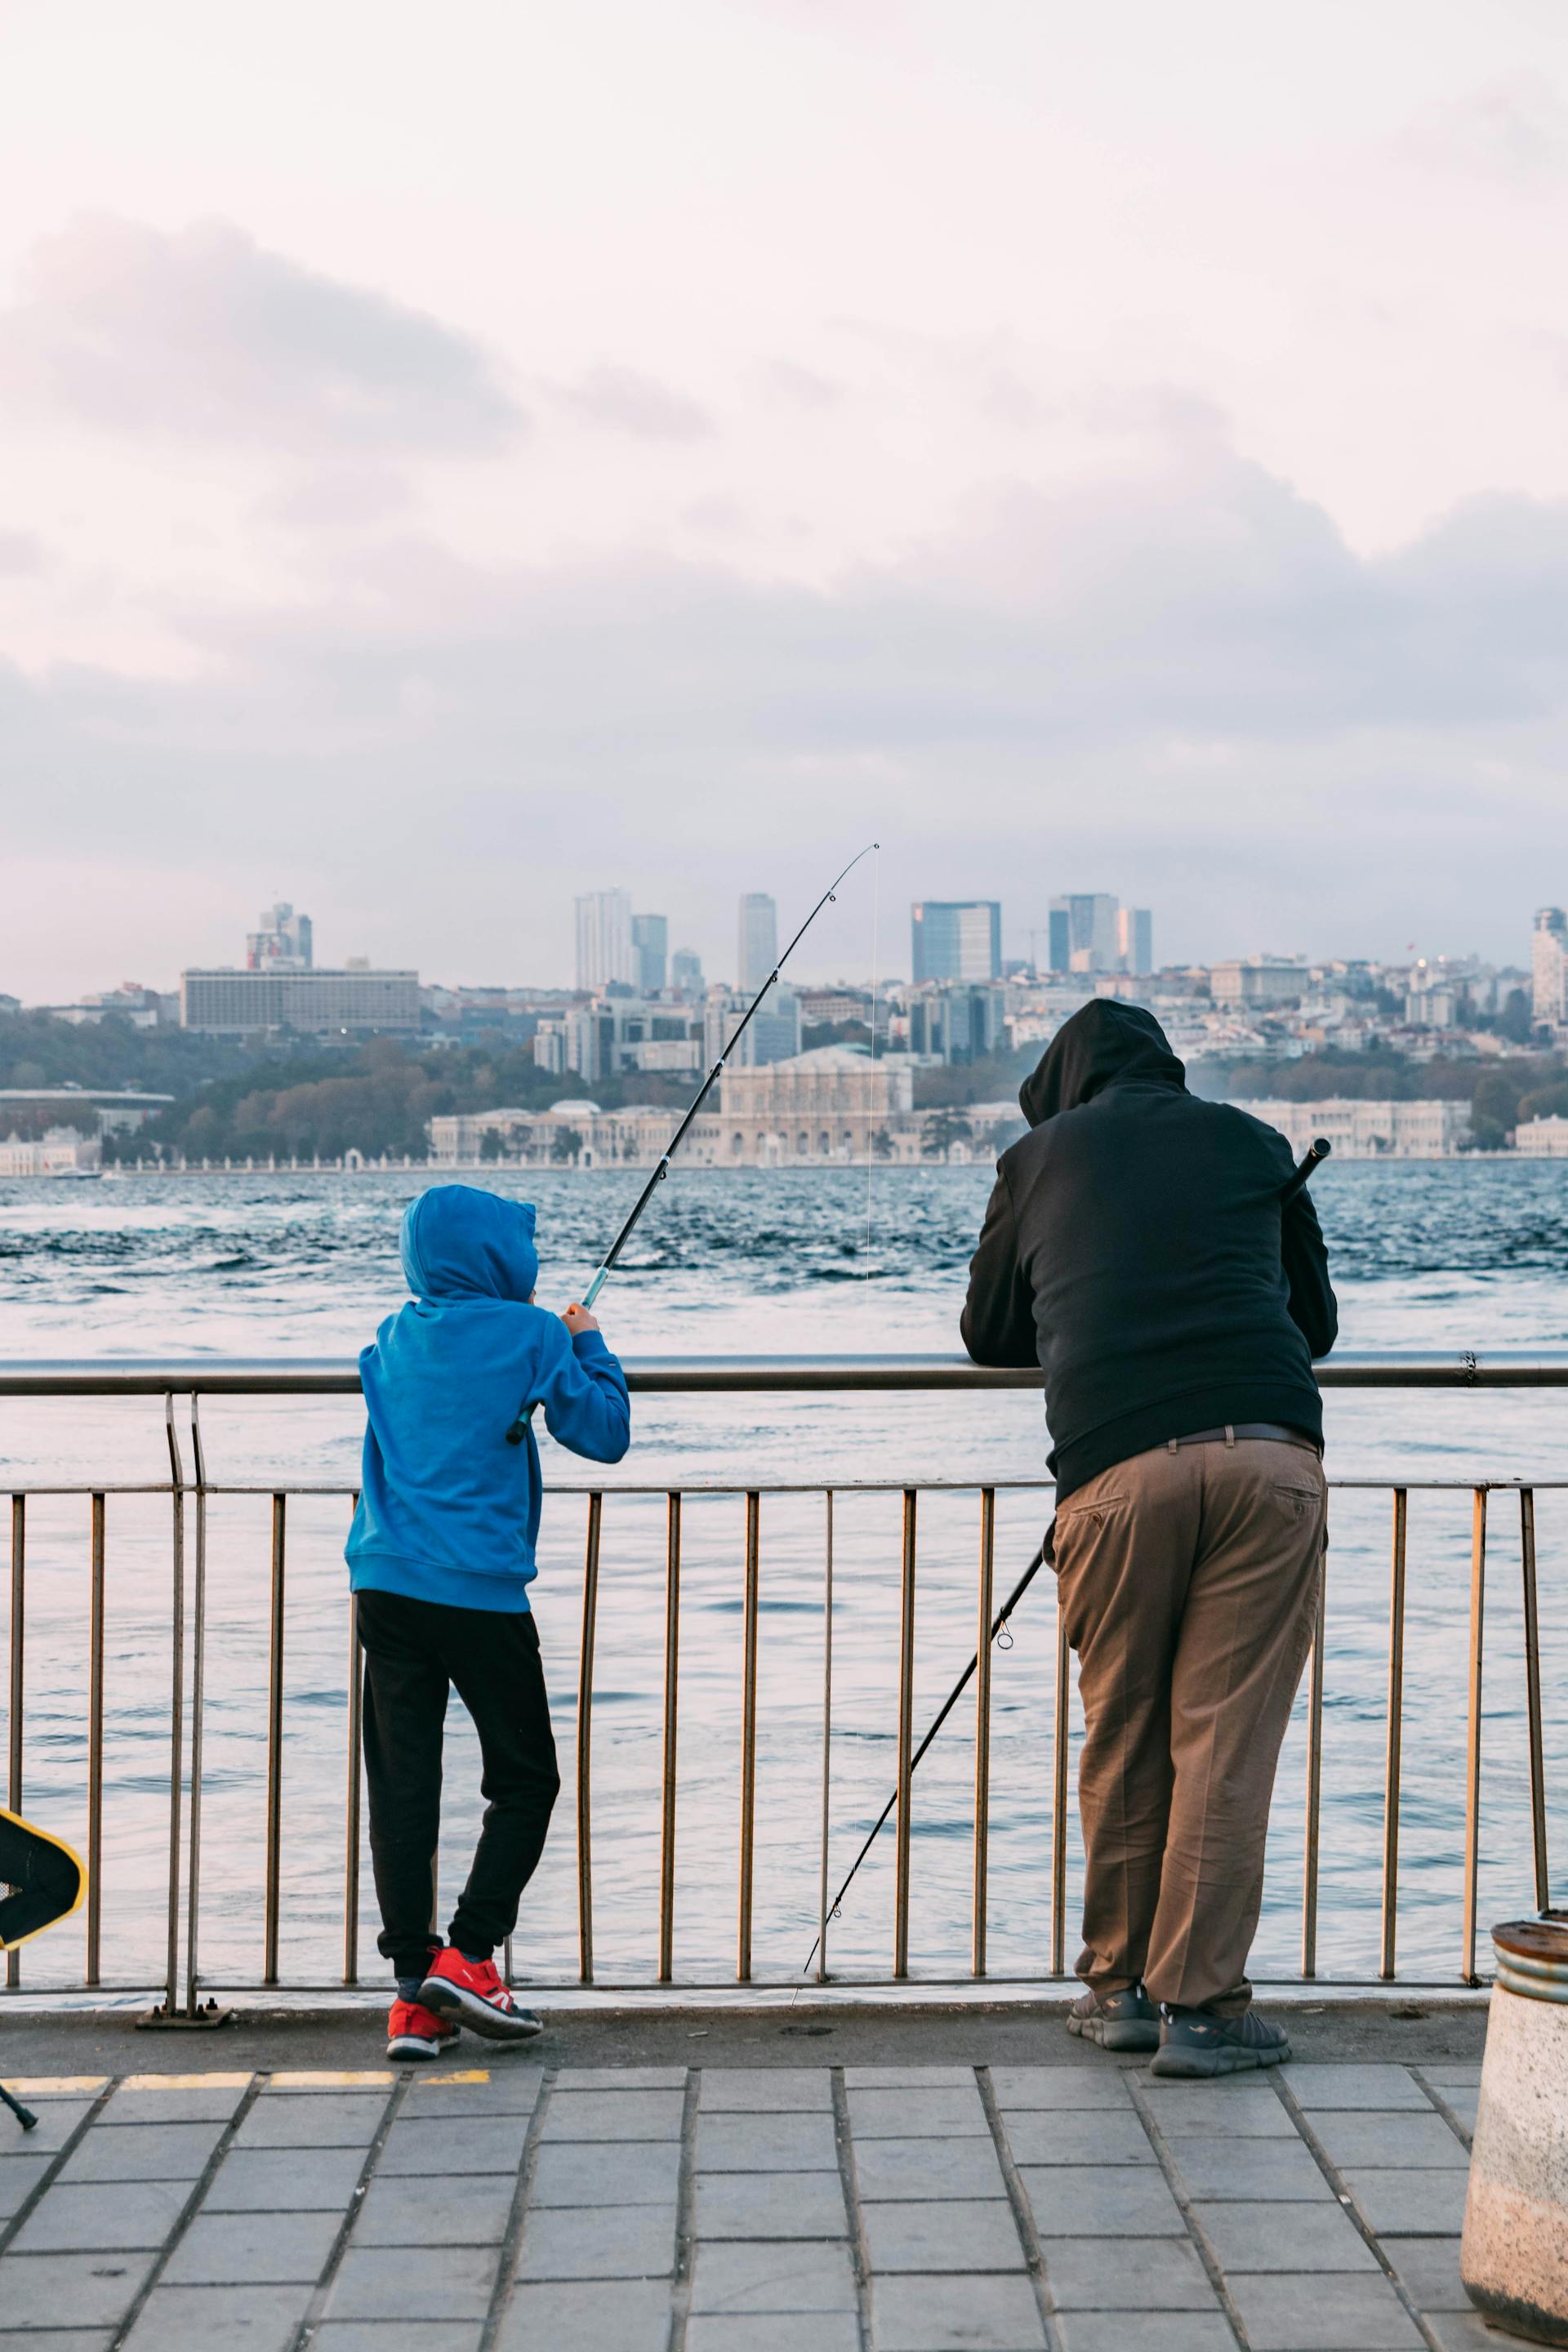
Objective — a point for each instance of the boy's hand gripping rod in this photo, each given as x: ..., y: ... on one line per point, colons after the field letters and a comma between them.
x: 1319, y: 1149
x: 514, y: 1435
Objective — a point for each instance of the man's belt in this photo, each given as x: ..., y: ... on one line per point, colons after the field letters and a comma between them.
x: 1278, y: 1431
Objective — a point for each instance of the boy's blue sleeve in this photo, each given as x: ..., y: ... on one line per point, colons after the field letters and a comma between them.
x: 584, y: 1391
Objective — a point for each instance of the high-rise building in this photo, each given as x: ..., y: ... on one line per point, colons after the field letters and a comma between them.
x: 1084, y: 932
x: 759, y: 939
x: 605, y: 957
x: 685, y: 972
x: 1549, y: 965
x: 1135, y: 939
x: 955, y: 939
x: 282, y: 943
x: 352, y: 1000
x: 650, y: 939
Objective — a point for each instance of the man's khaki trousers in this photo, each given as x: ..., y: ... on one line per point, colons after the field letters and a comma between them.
x: 1189, y: 1579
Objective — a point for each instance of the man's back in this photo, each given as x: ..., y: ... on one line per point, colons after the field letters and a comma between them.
x: 1136, y: 1247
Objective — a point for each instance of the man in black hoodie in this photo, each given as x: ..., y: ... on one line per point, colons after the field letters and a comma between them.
x: 1137, y: 1247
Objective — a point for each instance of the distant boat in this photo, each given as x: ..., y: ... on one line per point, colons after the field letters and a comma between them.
x: 76, y: 1175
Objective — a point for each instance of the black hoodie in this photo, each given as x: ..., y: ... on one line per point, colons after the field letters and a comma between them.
x: 1136, y: 1248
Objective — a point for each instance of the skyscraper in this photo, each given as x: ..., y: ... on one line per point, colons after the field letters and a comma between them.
x: 282, y: 943
x: 955, y: 939
x: 759, y: 942
x: 650, y: 938
x: 605, y: 955
x: 1087, y: 931
x: 1549, y: 965
x: 685, y: 972
x: 1135, y: 939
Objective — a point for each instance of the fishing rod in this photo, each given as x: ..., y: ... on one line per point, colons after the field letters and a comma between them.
x: 1317, y: 1152
x: 514, y: 1435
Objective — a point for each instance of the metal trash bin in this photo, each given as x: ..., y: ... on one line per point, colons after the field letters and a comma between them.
x: 1514, y: 2256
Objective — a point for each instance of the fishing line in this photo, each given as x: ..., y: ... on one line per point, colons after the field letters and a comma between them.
x: 876, y: 951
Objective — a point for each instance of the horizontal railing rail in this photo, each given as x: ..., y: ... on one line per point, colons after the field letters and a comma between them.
x: 189, y: 1489
x: 737, y: 1375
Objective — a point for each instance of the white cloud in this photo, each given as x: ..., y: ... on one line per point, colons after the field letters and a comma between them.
x: 621, y: 400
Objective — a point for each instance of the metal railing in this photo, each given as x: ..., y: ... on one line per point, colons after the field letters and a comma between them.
x: 189, y: 1496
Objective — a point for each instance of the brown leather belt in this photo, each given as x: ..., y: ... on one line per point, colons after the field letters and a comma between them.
x: 1279, y: 1433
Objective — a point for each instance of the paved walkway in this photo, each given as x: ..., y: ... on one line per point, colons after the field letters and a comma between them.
x: 502, y: 2207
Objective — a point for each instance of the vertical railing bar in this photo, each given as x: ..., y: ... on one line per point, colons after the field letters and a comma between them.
x: 1059, y: 1803
x: 586, y: 1741
x: 983, y: 1730
x: 177, y: 1699
x: 671, y: 1685
x: 198, y: 1695
x: 1386, y: 1960
x: 906, y: 1739
x: 351, y: 1799
x: 827, y: 1740
x: 748, y: 1739
x: 1314, y: 1777
x: 19, y: 1642
x: 275, y: 1743
x: 1533, y: 1699
x: 1473, y: 1741
x: 95, y: 1750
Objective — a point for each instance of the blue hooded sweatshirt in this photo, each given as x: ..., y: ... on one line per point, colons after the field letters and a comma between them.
x: 449, y: 1511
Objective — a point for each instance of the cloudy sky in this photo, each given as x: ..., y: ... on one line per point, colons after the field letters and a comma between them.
x: 453, y: 458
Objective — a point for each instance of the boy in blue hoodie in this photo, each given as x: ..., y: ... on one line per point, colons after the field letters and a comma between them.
x: 441, y: 1555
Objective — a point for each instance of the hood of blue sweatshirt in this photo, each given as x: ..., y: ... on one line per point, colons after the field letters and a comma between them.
x: 449, y: 1511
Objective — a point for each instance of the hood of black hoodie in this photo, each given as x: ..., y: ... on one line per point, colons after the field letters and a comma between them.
x: 1103, y: 1044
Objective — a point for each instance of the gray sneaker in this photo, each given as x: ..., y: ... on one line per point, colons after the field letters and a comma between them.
x: 1120, y: 2020
x: 1196, y: 2043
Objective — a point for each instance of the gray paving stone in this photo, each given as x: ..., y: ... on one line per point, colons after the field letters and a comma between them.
x: 447, y: 2144
x: 928, y: 2168
x: 910, y: 2114
x: 1137, y: 2275
x: 1271, y: 2237
x: 1030, y: 2087
x: 566, y: 2243
x: 950, y: 2236
x: 909, y: 2078
x: 58, y: 2339
x: 181, y: 2101
x: 633, y: 2172
x: 508, y: 2090
x: 957, y: 2315
x: 1355, y: 2086
x: 1189, y: 2110
x: 1466, y: 2331
x: 330, y: 2082
x: 1407, y: 2204
x: 622, y: 2078
x: 19, y: 2176
x: 412, y: 2282
x: 1145, y: 2331
x: 284, y: 2179
x: 395, y: 2336
x: 124, y: 2214
x: 741, y: 2277
x: 776, y: 2331
x: 1323, y: 2311
x: 1101, y: 2201
x: 614, y: 2114
x: 197, y: 2318
x: 1077, y: 2138
x: 611, y: 2316
x: 766, y: 2144
x: 57, y: 2118
x: 143, y: 2152
x: 1282, y: 2170
x: 1424, y: 2142
x: 1461, y: 2103
x: 241, y: 2248
x: 773, y: 2090
x: 1430, y: 2270
x: 770, y: 2205
x: 312, y: 2119
x: 471, y: 2210
x: 1451, y: 2072
x: 38, y: 2291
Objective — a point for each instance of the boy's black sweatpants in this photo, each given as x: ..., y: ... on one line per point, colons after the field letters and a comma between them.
x: 414, y: 1652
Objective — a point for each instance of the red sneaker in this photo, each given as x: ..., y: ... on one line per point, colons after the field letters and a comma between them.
x: 414, y: 2032
x: 471, y: 1991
